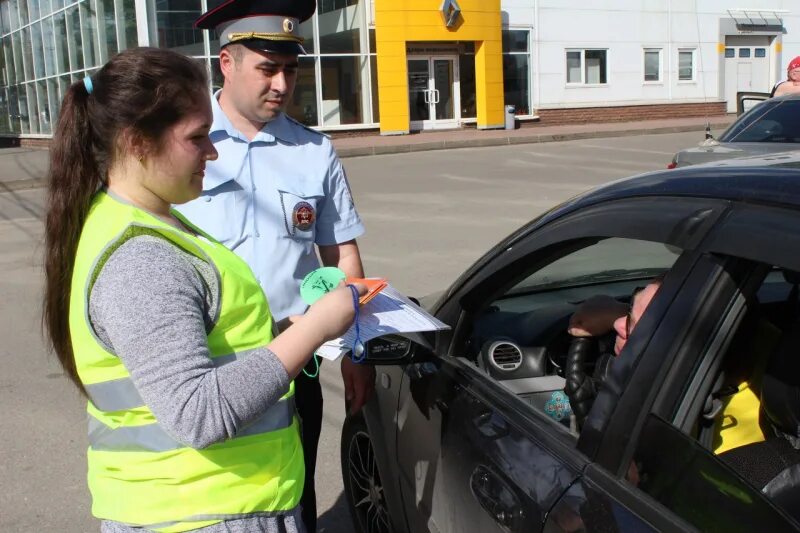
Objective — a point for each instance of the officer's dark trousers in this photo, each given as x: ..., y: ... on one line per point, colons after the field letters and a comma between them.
x: 308, y: 399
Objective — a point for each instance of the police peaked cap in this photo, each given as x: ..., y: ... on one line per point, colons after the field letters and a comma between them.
x: 268, y: 25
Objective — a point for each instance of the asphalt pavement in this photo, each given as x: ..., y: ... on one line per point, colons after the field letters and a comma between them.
x: 25, y: 168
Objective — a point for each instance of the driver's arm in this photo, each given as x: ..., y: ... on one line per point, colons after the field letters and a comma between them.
x: 596, y: 316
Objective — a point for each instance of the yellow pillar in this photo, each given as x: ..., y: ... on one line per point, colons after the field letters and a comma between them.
x: 399, y: 22
x: 489, y: 84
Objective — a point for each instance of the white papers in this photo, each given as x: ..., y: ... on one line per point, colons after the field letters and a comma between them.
x: 388, y: 312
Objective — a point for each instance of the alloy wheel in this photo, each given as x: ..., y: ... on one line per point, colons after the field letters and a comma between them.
x: 365, y: 485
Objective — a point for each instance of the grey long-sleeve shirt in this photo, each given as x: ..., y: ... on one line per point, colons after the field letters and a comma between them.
x: 152, y: 305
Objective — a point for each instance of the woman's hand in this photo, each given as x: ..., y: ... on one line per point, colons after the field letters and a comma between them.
x: 328, y: 318
x: 333, y: 314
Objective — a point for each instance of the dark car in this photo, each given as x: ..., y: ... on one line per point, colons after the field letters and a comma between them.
x: 468, y: 430
x: 769, y: 127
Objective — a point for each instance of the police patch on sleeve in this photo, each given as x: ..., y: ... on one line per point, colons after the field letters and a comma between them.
x: 303, y: 216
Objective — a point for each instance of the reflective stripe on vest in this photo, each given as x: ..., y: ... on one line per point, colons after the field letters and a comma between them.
x: 208, y: 517
x: 153, y: 438
x: 121, y: 394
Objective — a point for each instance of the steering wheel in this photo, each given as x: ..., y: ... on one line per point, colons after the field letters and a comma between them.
x: 580, y: 387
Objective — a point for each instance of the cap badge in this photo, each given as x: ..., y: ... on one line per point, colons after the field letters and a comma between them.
x: 303, y: 216
x: 288, y: 25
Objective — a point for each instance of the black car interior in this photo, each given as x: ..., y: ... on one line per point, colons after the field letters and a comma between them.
x: 521, y: 340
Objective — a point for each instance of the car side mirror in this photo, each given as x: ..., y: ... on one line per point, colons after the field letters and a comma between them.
x: 397, y: 349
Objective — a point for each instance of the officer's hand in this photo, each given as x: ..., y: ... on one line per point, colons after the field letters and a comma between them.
x: 596, y: 316
x: 359, y: 384
x: 333, y: 314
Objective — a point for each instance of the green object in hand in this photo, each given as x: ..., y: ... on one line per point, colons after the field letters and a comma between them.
x: 319, y: 282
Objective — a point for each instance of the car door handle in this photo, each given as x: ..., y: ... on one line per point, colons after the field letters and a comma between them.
x: 495, y: 497
x: 491, y: 425
x: 421, y: 370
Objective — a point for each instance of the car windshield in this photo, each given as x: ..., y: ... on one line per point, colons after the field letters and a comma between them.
x: 607, y: 261
x: 773, y: 121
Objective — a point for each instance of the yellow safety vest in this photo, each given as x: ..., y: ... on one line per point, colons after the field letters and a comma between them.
x: 138, y: 474
x: 738, y: 424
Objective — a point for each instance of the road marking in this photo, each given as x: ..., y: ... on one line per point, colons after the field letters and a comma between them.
x: 571, y: 157
x: 635, y: 150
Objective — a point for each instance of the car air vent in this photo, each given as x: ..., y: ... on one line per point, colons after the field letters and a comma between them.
x: 505, y: 356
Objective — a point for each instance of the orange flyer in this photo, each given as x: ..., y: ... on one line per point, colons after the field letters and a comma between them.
x: 373, y: 285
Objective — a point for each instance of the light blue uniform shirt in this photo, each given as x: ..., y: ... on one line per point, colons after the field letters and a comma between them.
x: 271, y: 199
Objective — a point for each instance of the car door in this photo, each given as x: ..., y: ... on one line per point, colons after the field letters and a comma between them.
x: 473, y: 453
x: 652, y: 459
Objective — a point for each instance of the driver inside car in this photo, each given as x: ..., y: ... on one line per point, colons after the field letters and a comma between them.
x: 598, y: 316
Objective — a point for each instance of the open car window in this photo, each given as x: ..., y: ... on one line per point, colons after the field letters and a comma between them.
x: 519, y: 338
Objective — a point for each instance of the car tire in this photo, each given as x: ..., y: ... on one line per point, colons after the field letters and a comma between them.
x: 363, y: 487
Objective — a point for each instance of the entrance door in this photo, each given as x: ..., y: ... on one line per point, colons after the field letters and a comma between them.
x: 747, y: 66
x: 433, y: 92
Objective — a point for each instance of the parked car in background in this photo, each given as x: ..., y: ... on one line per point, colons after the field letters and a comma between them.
x: 769, y: 127
x: 468, y: 430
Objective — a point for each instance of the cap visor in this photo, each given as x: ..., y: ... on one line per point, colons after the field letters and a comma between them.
x: 276, y: 47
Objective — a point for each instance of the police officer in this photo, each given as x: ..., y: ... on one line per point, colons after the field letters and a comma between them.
x: 278, y: 189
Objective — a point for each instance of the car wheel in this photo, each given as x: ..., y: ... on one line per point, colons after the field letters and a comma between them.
x: 362, y: 481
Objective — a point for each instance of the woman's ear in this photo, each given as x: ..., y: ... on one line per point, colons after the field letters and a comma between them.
x: 133, y: 144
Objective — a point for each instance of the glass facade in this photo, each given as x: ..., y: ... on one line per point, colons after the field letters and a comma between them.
x: 49, y: 44
x: 334, y: 79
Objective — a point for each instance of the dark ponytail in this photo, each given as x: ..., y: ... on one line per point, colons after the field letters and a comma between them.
x: 73, y: 180
x: 143, y: 90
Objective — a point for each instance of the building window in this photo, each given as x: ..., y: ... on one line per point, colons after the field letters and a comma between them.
x: 46, y: 46
x: 761, y: 52
x: 730, y: 52
x: 744, y: 52
x: 652, y: 64
x: 516, y: 70
x: 342, y: 90
x: 587, y: 67
x: 175, y: 26
x: 686, y: 64
x: 326, y: 6
x: 466, y: 77
x: 336, y: 81
x: 303, y: 106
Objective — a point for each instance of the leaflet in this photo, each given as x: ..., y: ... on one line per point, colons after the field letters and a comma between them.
x: 388, y: 312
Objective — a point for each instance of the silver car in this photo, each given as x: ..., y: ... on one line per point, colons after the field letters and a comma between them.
x: 769, y: 127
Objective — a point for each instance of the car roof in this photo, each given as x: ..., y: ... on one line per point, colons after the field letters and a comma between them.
x: 754, y: 184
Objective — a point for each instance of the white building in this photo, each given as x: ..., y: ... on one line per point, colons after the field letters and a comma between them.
x: 601, y: 60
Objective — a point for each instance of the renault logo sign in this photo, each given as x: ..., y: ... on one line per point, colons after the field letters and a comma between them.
x: 450, y: 12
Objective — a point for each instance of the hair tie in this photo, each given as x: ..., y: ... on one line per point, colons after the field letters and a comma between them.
x: 87, y: 82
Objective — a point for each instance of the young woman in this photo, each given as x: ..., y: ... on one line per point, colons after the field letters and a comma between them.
x: 167, y: 332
